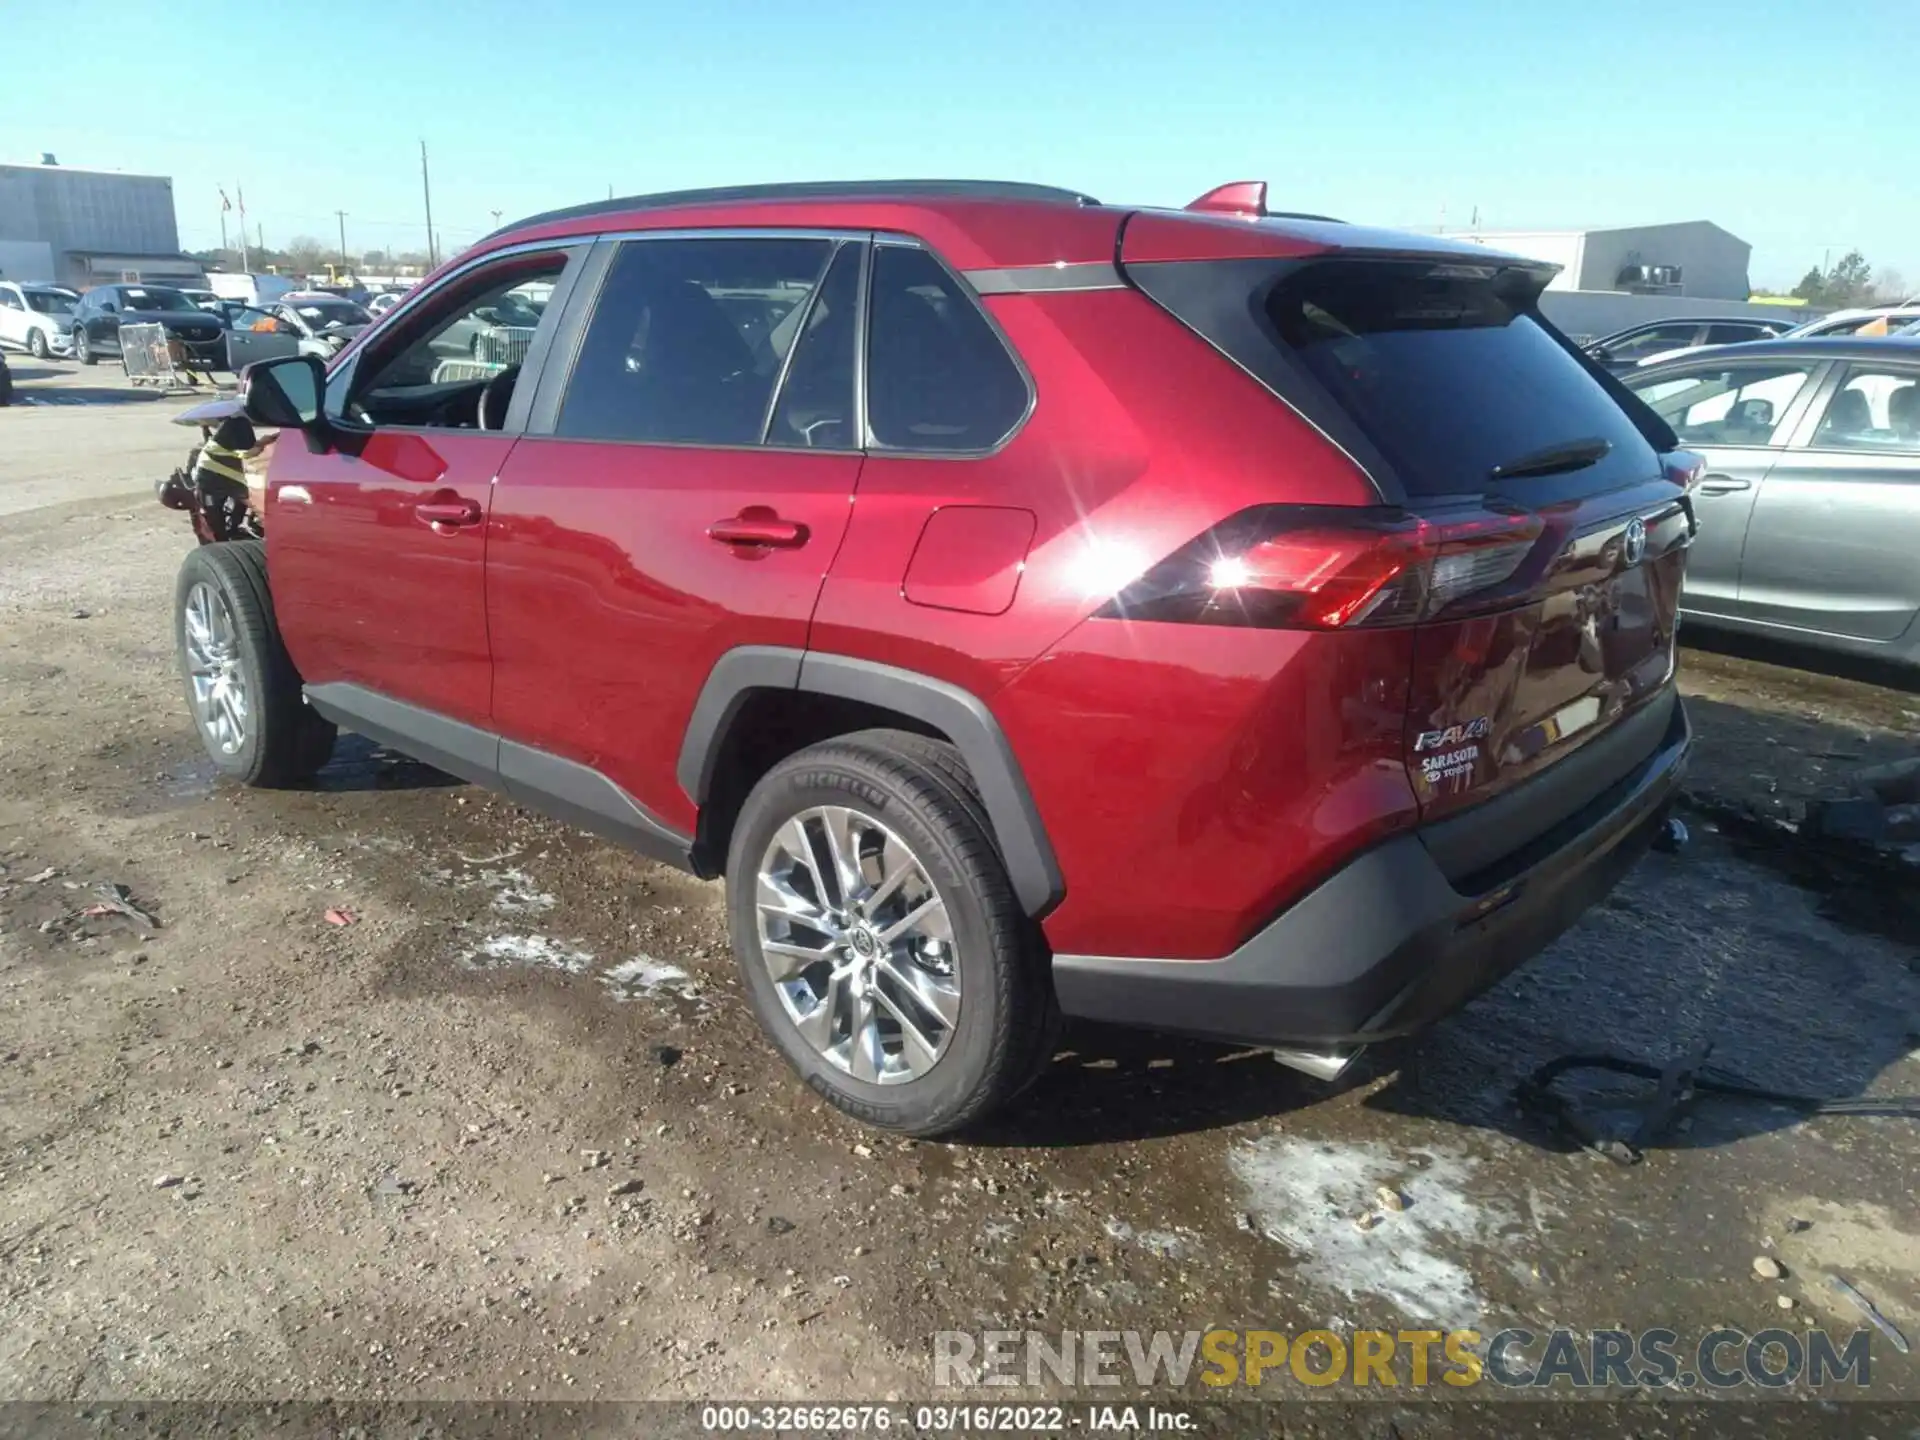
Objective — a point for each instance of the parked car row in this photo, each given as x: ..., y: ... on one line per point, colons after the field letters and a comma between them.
x: 1809, y: 507
x: 36, y: 318
x: 1658, y: 340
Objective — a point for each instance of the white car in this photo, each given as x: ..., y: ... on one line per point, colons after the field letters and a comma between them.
x: 36, y: 318
x: 1874, y: 320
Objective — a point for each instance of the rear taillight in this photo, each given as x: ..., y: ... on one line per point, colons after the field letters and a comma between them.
x: 1319, y: 568
x: 1684, y: 468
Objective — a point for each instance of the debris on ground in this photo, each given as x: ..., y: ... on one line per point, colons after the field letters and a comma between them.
x: 1867, y: 1308
x: 42, y: 877
x: 779, y: 1225
x: 1390, y: 1198
x: 167, y: 1182
x: 666, y: 1056
x: 118, y: 900
x: 1767, y: 1268
x: 1677, y: 1085
x: 337, y: 916
x: 625, y: 1187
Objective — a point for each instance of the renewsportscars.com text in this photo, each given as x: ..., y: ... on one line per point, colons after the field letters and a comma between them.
x: 1718, y: 1359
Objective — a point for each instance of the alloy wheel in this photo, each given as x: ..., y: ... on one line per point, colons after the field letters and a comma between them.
x: 859, y: 945
x: 220, y: 701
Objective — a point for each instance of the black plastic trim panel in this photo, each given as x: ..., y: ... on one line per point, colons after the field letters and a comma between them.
x: 958, y: 715
x: 562, y: 788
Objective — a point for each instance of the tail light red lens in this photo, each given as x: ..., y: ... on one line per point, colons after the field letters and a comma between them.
x: 1316, y: 568
x: 1684, y: 468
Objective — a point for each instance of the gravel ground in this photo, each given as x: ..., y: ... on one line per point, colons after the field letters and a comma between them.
x: 511, y: 1131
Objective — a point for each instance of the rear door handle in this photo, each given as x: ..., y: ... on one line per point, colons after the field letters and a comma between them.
x: 768, y: 529
x: 445, y: 515
x: 1723, y: 485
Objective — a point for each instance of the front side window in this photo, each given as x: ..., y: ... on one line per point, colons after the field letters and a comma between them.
x: 689, y: 338
x: 938, y: 376
x: 1872, y: 410
x: 457, y: 361
x: 1735, y: 334
x: 1725, y: 405
x: 9, y: 300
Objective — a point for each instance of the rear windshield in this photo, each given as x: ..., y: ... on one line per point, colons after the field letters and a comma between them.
x: 1449, y: 375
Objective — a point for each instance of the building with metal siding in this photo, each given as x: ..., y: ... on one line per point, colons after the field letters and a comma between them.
x: 96, y: 226
x: 1695, y: 259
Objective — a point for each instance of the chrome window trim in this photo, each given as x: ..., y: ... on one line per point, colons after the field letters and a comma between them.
x: 1061, y: 275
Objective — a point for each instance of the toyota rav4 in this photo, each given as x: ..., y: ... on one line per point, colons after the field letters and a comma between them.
x: 1249, y: 625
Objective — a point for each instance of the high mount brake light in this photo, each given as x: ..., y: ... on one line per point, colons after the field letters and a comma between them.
x: 1321, y: 568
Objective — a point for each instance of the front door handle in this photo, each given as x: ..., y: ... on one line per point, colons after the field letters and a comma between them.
x: 1722, y: 485
x: 446, y: 516
x: 759, y: 526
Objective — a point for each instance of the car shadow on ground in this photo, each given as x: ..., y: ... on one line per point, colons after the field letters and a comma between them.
x: 65, y: 395
x: 361, y: 764
x: 1800, y: 984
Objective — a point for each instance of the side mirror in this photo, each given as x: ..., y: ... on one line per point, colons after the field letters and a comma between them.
x: 285, y: 393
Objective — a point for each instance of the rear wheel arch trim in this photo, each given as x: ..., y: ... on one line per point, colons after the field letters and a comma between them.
x: 955, y: 713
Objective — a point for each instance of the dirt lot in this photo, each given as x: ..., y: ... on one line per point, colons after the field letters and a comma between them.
x: 512, y: 1132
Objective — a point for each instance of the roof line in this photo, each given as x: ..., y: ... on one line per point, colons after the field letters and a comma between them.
x: 811, y: 190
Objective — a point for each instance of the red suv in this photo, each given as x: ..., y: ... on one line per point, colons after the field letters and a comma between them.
x: 1248, y: 625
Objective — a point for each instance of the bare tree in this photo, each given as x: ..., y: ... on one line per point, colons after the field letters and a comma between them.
x: 307, y: 254
x: 1891, y: 287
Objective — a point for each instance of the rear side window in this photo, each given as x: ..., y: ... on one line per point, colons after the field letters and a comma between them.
x: 1451, y: 377
x: 938, y: 376
x: 688, y: 340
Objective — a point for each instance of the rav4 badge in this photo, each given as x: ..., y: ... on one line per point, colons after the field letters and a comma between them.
x: 1474, y: 729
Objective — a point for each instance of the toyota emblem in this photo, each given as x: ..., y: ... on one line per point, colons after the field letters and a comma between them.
x: 1633, y: 544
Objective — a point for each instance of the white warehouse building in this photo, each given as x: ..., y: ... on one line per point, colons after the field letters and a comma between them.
x: 1694, y: 259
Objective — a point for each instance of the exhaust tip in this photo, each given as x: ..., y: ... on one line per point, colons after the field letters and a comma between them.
x: 1324, y: 1065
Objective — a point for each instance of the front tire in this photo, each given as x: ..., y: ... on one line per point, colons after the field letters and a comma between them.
x: 241, y: 686
x: 37, y: 345
x: 82, y: 351
x: 879, y: 938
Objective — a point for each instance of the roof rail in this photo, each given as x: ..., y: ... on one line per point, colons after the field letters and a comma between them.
x: 815, y: 190
x: 1249, y: 198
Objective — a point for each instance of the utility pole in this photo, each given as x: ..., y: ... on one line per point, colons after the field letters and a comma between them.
x: 426, y: 192
x: 241, y: 193
x: 341, y: 216
x: 496, y: 218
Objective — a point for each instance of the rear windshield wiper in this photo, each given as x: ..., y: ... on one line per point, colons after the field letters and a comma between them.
x: 1554, y: 459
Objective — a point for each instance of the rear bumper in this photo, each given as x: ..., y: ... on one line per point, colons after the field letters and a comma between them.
x: 1388, y: 944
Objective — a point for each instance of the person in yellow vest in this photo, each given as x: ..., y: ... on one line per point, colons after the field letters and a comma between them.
x: 220, y: 475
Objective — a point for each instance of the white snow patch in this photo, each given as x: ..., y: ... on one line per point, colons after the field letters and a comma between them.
x: 645, y: 976
x: 514, y: 892
x: 498, y: 952
x: 1305, y: 1194
x: 1167, y: 1244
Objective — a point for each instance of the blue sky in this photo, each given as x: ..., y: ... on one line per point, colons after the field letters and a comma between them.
x: 1792, y: 123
